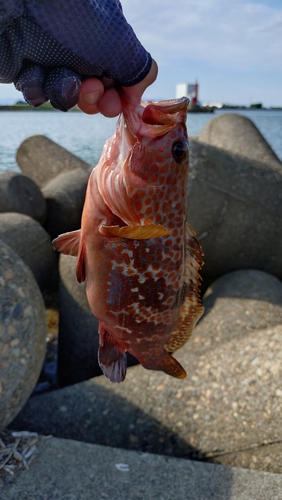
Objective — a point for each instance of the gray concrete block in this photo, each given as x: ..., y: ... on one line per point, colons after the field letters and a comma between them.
x: 23, y: 333
x: 78, y: 329
x: 239, y: 135
x: 20, y: 194
x: 64, y: 197
x: 234, y: 206
x: 42, y: 159
x: 31, y: 242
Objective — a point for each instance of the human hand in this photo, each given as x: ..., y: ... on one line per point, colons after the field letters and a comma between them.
x: 48, y: 59
x: 98, y: 96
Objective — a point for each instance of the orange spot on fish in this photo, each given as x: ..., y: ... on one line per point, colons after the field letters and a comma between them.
x: 148, y: 221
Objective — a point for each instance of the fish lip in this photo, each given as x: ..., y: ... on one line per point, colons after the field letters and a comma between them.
x: 151, y: 119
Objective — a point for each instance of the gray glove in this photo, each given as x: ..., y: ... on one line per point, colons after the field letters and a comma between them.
x: 47, y: 47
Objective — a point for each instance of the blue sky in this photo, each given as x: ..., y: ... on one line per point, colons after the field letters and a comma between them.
x: 233, y: 48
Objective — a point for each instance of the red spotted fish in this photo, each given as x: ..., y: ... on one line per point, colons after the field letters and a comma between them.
x: 136, y: 251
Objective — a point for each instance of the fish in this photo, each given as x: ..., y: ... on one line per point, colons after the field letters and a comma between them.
x: 135, y: 250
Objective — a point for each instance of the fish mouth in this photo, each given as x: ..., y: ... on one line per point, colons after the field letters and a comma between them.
x: 151, y: 119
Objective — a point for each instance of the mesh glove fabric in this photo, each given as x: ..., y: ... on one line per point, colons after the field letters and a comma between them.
x: 47, y: 47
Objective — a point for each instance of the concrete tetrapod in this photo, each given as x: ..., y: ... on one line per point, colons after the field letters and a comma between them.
x: 23, y: 333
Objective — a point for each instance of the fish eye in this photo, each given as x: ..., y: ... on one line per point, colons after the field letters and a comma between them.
x: 179, y: 151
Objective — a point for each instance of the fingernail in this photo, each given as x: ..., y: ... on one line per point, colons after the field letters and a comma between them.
x: 92, y: 97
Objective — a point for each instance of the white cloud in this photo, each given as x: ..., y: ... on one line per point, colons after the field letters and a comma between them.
x: 237, y: 34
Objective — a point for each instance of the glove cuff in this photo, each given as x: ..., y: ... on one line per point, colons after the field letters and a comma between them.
x: 141, y: 75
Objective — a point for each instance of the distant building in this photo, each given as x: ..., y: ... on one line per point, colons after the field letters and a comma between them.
x: 189, y: 90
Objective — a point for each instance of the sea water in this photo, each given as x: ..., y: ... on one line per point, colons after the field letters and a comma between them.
x: 84, y: 135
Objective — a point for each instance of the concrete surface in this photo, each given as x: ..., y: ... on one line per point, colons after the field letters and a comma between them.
x: 205, y: 416
x: 71, y: 470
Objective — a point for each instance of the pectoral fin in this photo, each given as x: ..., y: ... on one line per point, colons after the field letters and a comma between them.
x: 135, y: 232
x: 111, y: 358
x: 67, y: 243
x: 70, y: 244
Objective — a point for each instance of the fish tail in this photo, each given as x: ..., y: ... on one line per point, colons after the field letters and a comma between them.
x: 111, y: 358
x: 167, y: 364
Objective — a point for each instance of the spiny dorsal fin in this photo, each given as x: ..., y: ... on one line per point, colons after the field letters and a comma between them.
x: 191, y: 309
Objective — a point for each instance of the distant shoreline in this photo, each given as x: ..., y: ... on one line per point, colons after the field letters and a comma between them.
x: 27, y: 107
x: 47, y: 107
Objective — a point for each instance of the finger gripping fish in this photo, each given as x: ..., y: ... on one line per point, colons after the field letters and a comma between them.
x: 135, y: 249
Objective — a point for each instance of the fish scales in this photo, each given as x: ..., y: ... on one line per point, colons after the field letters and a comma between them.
x: 138, y: 254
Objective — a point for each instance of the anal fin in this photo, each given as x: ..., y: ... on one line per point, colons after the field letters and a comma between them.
x: 111, y: 358
x: 139, y: 232
x: 168, y: 364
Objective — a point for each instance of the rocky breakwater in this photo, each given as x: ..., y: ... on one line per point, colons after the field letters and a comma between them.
x: 235, y: 208
x: 22, y: 333
x: 20, y: 194
x: 235, y: 200
x: 239, y: 135
x: 62, y: 178
x: 34, y: 207
x: 228, y: 408
x: 31, y: 242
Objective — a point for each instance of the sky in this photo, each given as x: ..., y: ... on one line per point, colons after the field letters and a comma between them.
x: 233, y: 48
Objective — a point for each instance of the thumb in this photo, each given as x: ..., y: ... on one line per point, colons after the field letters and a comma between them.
x: 136, y: 91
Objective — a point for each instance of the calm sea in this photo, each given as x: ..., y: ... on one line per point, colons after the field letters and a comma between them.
x: 85, y: 135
